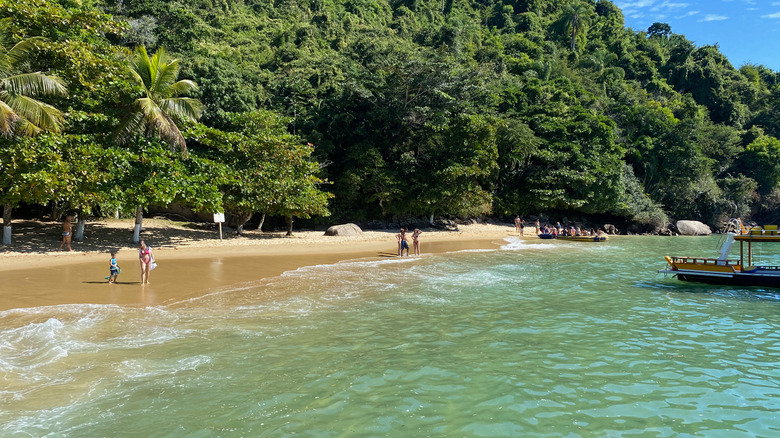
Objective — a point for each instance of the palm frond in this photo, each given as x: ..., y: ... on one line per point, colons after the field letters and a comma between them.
x: 152, y: 113
x: 21, y: 50
x: 183, y: 86
x: 8, y: 119
x: 34, y: 84
x: 6, y: 66
x: 175, y: 137
x: 158, y: 112
x: 166, y: 78
x: 140, y: 67
x: 34, y: 115
x: 129, y: 126
x: 156, y: 62
x: 182, y: 108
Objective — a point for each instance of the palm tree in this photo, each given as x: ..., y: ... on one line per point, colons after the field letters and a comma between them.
x: 576, y: 17
x: 161, y: 108
x: 20, y: 113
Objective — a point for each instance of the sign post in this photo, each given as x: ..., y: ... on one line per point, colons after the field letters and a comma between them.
x: 219, y: 218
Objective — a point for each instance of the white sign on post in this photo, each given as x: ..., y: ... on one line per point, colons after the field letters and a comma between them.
x: 219, y: 218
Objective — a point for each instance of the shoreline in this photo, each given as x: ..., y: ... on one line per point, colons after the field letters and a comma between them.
x: 194, y: 266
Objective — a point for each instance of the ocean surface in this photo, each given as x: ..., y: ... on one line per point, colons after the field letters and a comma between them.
x: 531, y: 339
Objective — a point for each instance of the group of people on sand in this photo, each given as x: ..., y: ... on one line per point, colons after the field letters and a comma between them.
x: 145, y: 258
x: 520, y: 225
x: 403, y: 243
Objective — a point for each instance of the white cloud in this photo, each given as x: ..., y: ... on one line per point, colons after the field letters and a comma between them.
x: 669, y: 5
x: 775, y: 15
x: 713, y: 17
x: 652, y: 9
x: 688, y: 14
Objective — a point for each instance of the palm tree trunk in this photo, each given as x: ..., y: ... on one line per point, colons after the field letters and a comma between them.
x: 139, y: 219
x: 6, y: 224
x: 289, y: 220
x: 81, y: 224
x: 573, y: 38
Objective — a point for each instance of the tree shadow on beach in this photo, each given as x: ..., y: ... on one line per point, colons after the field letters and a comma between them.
x: 34, y: 237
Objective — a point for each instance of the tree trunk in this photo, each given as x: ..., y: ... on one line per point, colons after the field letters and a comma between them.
x: 289, y: 220
x: 139, y: 219
x: 431, y: 219
x: 260, y: 227
x: 573, y: 38
x: 55, y: 212
x: 238, y: 220
x: 6, y: 224
x: 78, y: 236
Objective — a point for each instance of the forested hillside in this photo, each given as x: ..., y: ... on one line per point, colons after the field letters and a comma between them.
x: 404, y: 108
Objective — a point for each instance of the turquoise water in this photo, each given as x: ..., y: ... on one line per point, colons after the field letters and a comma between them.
x: 536, y: 339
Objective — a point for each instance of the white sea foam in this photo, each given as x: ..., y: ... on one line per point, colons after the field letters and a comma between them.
x: 515, y: 243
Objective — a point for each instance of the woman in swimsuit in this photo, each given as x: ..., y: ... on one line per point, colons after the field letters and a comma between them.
x: 415, y: 241
x: 146, y: 259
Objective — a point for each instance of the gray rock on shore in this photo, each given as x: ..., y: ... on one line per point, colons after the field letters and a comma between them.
x: 344, y: 230
x: 610, y: 229
x: 693, y: 228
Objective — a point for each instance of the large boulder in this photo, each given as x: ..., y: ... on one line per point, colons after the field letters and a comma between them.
x: 693, y: 228
x: 610, y: 229
x: 344, y: 230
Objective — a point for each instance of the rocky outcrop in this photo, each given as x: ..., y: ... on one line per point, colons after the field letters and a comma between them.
x: 692, y: 228
x: 344, y: 230
x: 610, y: 229
x: 445, y: 224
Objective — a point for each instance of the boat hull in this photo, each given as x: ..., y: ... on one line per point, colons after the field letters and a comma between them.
x: 728, y: 279
x: 583, y: 238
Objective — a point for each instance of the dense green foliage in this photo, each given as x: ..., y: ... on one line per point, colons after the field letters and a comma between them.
x: 414, y: 107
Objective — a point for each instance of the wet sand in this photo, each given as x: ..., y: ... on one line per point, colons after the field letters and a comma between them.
x: 46, y: 279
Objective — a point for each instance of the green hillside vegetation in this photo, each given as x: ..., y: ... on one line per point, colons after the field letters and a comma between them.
x: 382, y: 109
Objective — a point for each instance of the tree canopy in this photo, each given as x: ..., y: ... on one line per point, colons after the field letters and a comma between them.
x: 413, y: 108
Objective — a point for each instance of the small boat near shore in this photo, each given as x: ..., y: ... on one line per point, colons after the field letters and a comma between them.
x: 573, y: 238
x: 583, y: 238
x: 726, y: 271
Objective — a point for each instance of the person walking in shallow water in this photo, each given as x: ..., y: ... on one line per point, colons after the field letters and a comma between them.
x: 415, y: 242
x: 67, y: 229
x: 146, y: 259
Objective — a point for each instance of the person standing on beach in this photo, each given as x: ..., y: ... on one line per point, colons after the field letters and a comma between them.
x: 66, y: 233
x: 517, y: 224
x: 146, y: 259
x: 402, y: 242
x: 537, y: 225
x: 415, y: 242
x: 113, y: 268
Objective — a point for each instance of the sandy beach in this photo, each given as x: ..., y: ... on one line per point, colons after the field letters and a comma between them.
x: 192, y: 260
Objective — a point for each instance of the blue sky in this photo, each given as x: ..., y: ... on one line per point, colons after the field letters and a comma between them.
x: 747, y: 31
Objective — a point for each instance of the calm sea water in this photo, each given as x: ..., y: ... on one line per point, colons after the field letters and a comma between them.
x: 536, y: 339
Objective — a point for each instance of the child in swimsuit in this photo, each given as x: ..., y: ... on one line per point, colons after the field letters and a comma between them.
x: 66, y: 231
x: 113, y: 268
